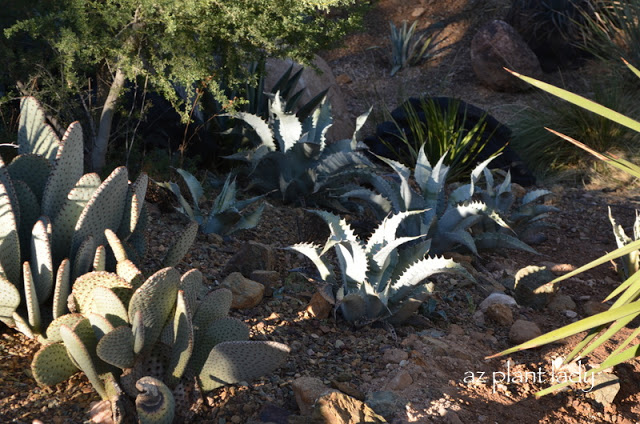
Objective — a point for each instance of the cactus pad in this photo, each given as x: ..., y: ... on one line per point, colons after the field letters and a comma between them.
x: 221, y: 330
x: 100, y: 325
x: 9, y: 298
x: 85, y: 283
x: 214, y: 306
x: 191, y: 284
x: 67, y: 170
x: 103, y: 211
x: 62, y: 288
x: 107, y: 303
x: 33, y: 170
x: 9, y: 241
x: 31, y: 299
x: 232, y: 362
x: 155, y: 299
x: 182, y: 343
x: 34, y: 134
x: 41, y: 260
x: 116, y: 347
x: 133, y: 209
x: 154, y: 403
x: 80, y: 354
x: 53, y: 330
x: 52, y: 365
x: 182, y: 245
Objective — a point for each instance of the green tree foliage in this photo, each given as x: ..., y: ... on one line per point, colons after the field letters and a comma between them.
x: 104, y: 44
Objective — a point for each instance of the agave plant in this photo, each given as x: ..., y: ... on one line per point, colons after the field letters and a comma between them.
x: 294, y: 158
x: 53, y: 219
x: 600, y: 327
x: 407, y: 49
x: 154, y: 340
x: 378, y: 280
x: 447, y: 222
x: 522, y: 218
x: 225, y: 216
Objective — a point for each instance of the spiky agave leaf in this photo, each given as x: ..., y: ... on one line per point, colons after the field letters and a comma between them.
x: 314, y: 253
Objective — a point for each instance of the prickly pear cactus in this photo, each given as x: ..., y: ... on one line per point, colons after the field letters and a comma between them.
x: 156, y: 340
x: 53, y: 221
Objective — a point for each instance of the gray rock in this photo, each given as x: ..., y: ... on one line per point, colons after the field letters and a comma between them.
x: 252, y: 256
x: 400, y: 381
x: 385, y: 403
x: 246, y: 293
x: 497, y: 45
x: 394, y: 356
x: 606, y: 387
x: 562, y: 302
x: 522, y: 331
x: 312, y: 83
x: 500, y: 313
x: 500, y: 298
x: 269, y: 279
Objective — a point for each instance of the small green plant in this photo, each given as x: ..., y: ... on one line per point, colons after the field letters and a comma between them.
x: 293, y: 157
x: 225, y: 216
x: 53, y: 221
x: 448, y: 222
x: 603, y: 326
x: 408, y: 49
x: 630, y: 261
x: 378, y: 280
x: 149, y: 338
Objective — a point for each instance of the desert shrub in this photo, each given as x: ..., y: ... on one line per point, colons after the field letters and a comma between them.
x: 541, y: 148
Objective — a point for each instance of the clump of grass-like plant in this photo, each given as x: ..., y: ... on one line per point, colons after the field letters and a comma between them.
x: 408, y: 48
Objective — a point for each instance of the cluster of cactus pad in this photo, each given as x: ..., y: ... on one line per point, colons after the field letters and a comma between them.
x: 379, y: 280
x: 53, y: 219
x: 225, y: 216
x: 293, y: 157
x: 160, y: 341
x: 448, y: 222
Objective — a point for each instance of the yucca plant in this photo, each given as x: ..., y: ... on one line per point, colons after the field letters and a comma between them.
x: 408, y: 49
x: 225, y: 216
x: 154, y: 340
x: 294, y: 158
x: 442, y: 127
x: 53, y: 219
x: 600, y: 327
x: 446, y: 221
x: 378, y: 280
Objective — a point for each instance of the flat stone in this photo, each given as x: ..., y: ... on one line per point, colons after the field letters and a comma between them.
x: 522, y: 331
x: 562, y: 302
x: 400, y: 381
x: 500, y: 313
x: 593, y: 307
x: 319, y: 307
x: 251, y: 256
x: 246, y: 293
x: 497, y: 298
x: 394, y: 356
x: 606, y: 387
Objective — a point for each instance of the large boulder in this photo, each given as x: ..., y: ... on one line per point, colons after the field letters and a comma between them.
x: 497, y: 45
x: 552, y: 30
x: 313, y: 82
